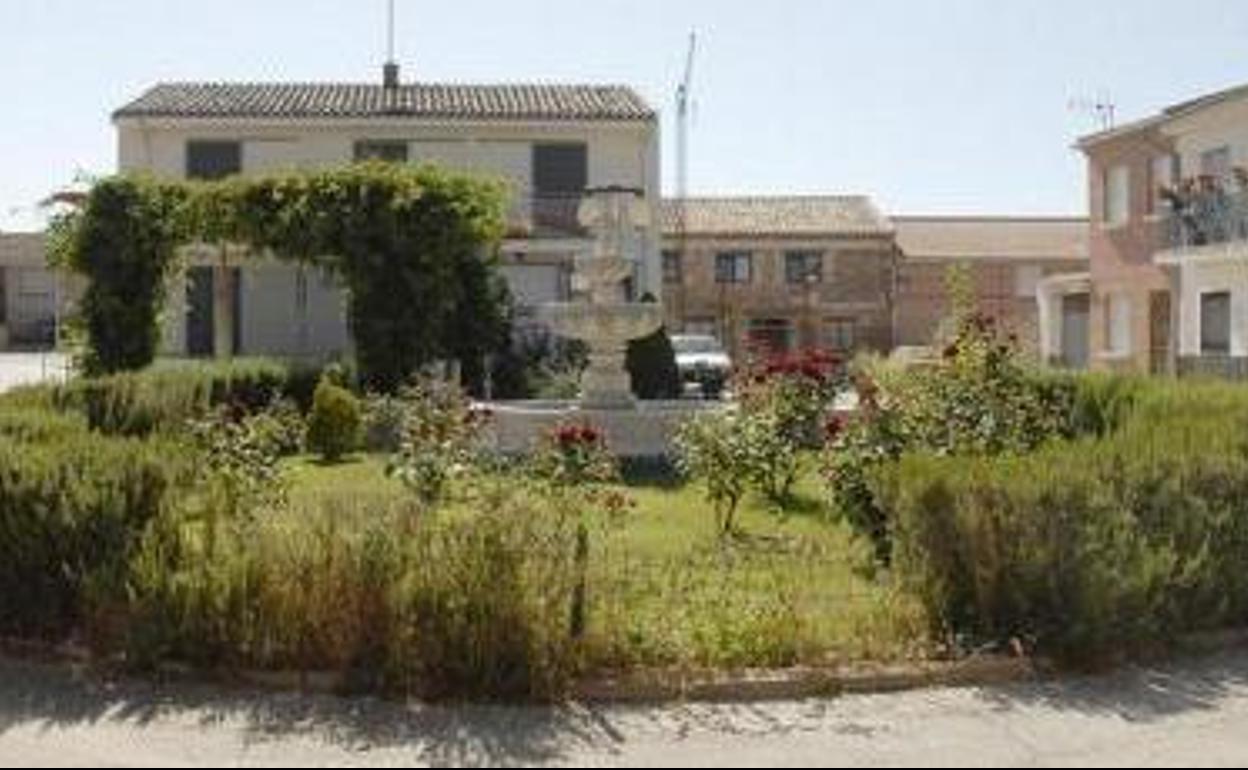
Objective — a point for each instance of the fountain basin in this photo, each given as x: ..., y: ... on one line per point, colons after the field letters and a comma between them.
x: 613, y: 324
x: 643, y: 432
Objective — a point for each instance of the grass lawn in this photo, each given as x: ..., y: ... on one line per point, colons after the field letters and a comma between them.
x: 796, y: 588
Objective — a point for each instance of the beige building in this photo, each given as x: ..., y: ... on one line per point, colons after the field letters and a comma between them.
x: 551, y: 142
x: 33, y: 298
x: 1167, y: 287
x: 1005, y: 258
x: 780, y: 272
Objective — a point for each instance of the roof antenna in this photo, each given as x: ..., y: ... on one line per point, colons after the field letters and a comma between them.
x: 390, y: 76
x: 1100, y: 108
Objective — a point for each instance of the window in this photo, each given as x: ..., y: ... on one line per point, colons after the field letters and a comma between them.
x: 1163, y: 172
x: 840, y: 334
x: 1117, y: 324
x: 560, y: 169
x: 390, y: 151
x: 1215, y: 323
x: 213, y: 160
x: 734, y: 267
x: 1117, y: 195
x: 803, y: 267
x: 673, y: 270
x: 1216, y: 163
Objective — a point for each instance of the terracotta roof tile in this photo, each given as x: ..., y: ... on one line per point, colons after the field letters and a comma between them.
x: 808, y: 215
x: 364, y: 100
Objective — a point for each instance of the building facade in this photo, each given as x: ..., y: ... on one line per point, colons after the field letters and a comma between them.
x: 1004, y: 258
x: 1167, y: 290
x: 780, y: 273
x: 33, y: 298
x: 551, y: 143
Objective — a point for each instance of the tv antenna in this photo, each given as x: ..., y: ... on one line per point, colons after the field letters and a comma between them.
x: 1100, y: 108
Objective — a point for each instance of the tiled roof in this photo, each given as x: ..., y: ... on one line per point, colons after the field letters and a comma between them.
x: 1021, y: 238
x: 25, y: 249
x: 808, y: 215
x: 364, y: 100
x: 1166, y: 114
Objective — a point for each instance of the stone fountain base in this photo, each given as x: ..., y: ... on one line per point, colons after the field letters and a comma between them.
x: 645, y: 431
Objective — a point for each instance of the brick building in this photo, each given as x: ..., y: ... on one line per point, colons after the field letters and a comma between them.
x: 782, y: 272
x: 1007, y: 258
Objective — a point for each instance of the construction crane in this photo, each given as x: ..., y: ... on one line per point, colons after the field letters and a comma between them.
x: 684, y: 97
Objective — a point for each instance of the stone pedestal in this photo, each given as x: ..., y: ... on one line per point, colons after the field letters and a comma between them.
x: 606, y: 383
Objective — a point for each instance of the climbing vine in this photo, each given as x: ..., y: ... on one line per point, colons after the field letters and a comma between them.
x: 415, y: 247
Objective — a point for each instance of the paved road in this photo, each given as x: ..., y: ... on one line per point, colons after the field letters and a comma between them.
x: 1192, y: 712
x: 29, y: 368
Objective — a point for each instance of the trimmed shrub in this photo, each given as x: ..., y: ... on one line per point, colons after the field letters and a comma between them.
x: 651, y: 363
x: 335, y: 421
x: 163, y: 399
x: 71, y: 513
x: 1085, y: 548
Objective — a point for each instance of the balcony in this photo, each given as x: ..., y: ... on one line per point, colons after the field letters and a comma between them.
x: 546, y: 215
x: 1205, y: 213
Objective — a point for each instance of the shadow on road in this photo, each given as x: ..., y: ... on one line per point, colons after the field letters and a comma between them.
x: 469, y: 735
x: 1138, y: 694
x: 37, y: 695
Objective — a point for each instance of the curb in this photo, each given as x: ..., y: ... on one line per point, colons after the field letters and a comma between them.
x: 653, y: 686
x: 650, y: 687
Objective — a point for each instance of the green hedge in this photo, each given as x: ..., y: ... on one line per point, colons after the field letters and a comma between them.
x: 1089, y: 547
x: 73, y: 507
x: 163, y: 398
x: 26, y: 424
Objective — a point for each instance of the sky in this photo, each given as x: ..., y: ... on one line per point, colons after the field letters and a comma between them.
x: 932, y: 107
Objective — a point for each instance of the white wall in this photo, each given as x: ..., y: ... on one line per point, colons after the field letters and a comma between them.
x: 619, y: 153
x: 1199, y: 277
x: 1217, y: 126
x: 625, y: 154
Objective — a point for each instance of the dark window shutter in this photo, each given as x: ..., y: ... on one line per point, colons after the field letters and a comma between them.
x: 1215, y: 323
x: 213, y: 160
x: 560, y: 169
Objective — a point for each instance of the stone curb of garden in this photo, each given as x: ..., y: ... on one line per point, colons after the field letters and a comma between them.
x: 658, y: 686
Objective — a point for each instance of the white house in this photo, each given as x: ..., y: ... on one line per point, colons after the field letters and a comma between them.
x: 30, y: 293
x: 552, y: 142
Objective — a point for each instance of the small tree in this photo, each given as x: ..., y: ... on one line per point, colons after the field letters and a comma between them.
x: 335, y: 422
x: 716, y: 450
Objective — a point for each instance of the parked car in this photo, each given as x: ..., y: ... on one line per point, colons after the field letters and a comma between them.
x: 703, y: 363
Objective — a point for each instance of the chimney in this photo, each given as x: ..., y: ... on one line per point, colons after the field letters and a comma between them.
x: 390, y: 76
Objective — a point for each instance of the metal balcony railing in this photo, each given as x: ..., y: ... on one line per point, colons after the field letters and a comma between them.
x: 544, y: 215
x: 1204, y: 217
